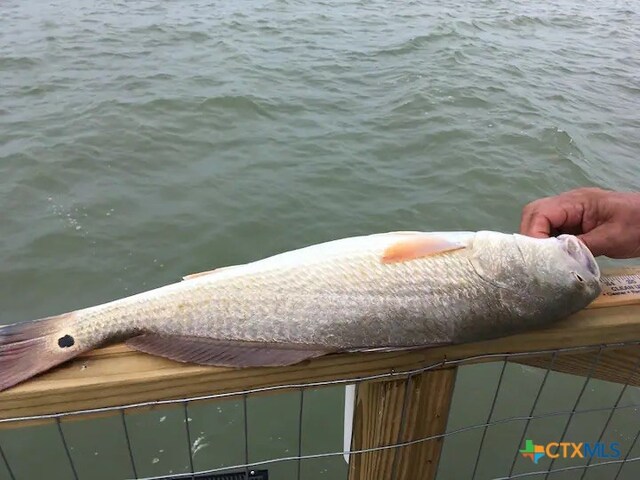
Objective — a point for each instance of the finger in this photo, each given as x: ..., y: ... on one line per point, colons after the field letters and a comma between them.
x: 599, y: 241
x: 532, y: 223
x: 554, y: 215
x: 539, y: 227
x: 543, y: 218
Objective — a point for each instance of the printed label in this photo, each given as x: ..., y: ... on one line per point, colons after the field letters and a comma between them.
x: 621, y: 285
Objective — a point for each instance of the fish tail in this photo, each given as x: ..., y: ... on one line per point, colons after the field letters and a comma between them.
x: 27, y: 349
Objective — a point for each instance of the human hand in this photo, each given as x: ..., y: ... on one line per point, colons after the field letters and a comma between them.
x: 607, y: 222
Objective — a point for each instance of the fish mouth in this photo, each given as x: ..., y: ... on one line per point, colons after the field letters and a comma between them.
x: 576, y: 249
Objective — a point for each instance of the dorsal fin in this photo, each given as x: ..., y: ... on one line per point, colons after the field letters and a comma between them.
x: 208, y: 272
x: 419, y: 246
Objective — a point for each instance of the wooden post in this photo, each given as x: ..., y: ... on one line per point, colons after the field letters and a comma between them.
x: 399, y: 411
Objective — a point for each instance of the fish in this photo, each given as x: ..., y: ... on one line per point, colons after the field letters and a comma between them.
x: 384, y: 291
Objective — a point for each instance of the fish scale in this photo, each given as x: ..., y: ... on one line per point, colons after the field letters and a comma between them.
x: 385, y: 291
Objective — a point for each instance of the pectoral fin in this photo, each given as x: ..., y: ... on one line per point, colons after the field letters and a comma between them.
x: 419, y: 246
x: 224, y: 353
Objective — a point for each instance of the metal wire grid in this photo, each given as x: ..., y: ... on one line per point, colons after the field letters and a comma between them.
x: 409, y: 374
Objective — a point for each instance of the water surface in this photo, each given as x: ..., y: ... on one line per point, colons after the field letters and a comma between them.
x: 142, y: 141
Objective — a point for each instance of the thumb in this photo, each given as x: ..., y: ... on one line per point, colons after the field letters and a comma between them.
x: 598, y: 240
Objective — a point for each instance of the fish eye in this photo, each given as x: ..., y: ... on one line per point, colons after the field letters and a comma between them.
x: 578, y: 277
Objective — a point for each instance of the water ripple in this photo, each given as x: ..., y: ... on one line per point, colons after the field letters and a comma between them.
x: 214, y: 117
x: 140, y: 141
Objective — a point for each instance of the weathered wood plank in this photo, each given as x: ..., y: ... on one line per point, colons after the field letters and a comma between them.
x: 428, y: 415
x: 618, y: 365
x: 398, y: 411
x: 118, y: 375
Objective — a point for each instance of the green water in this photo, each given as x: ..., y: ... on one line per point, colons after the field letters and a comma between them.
x: 142, y: 141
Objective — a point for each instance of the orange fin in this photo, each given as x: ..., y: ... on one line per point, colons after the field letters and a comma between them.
x: 202, y: 274
x: 419, y: 246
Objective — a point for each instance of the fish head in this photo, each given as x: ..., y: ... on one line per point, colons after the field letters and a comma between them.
x: 553, y: 276
x: 563, y: 263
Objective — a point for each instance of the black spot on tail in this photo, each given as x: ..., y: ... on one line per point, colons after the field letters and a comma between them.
x: 66, y: 341
x: 25, y: 348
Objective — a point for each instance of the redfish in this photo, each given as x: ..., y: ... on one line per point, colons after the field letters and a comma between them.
x: 387, y: 291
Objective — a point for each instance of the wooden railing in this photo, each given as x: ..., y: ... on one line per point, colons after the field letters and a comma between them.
x: 117, y: 376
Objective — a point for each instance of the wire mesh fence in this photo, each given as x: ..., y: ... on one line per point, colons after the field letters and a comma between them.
x: 507, y: 420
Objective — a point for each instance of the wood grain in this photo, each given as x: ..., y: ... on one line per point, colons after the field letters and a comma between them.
x: 618, y: 365
x: 399, y: 411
